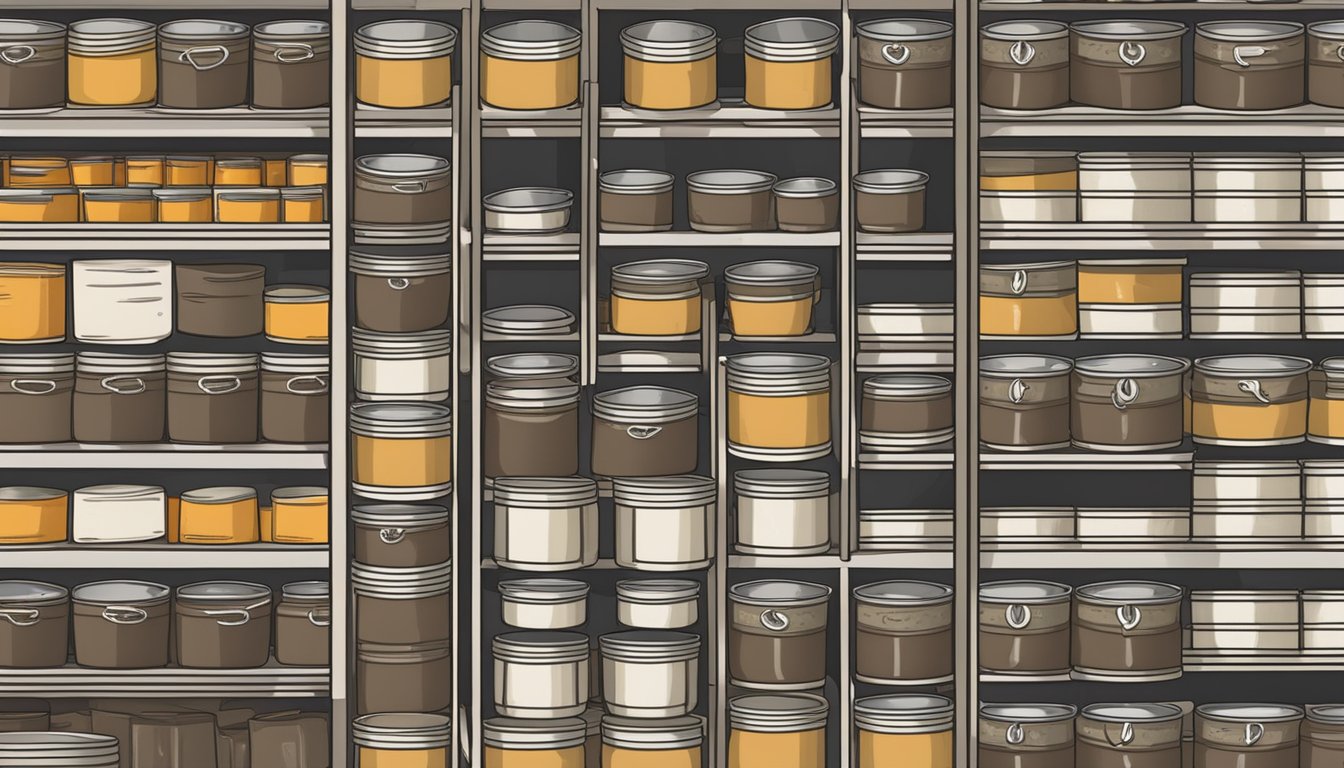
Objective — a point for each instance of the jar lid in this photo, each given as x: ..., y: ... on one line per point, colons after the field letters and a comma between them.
x: 730, y: 181
x: 906, y: 385
x: 257, y: 195
x: 793, y: 39
x: 520, y: 734
x: 212, y: 362
x: 657, y: 591
x: 645, y: 404
x: 30, y: 30
x: 291, y: 362
x: 314, y: 494
x: 297, y: 294
x: 29, y: 745
x: 1024, y: 592
x: 402, y: 731
x: 117, y: 194
x: 238, y: 162
x: 890, y: 181
x: 655, y: 734
x: 1131, y: 366
x: 1253, y: 365
x: 29, y: 493
x: 528, y: 200
x: 1025, y: 29
x: 770, y: 272
x: 544, y: 646
x: 904, y: 713
x: 399, y: 515
x: 903, y: 593
x: 1327, y: 30
x: 279, y: 31
x: 669, y: 40
x: 42, y: 195
x: 1130, y: 592
x: 103, y: 592
x: 402, y: 166
x: 1028, y: 713
x: 1257, y: 713
x: 111, y: 362
x: 306, y: 590
x: 1332, y: 714
x: 530, y: 319
x: 660, y: 271
x: 805, y: 187
x: 223, y: 590
x: 545, y: 492
x: 904, y: 30
x: 636, y: 181
x: 224, y: 494
x: 31, y: 269
x: 1333, y: 365
x: 778, y: 713
x: 1133, y: 713
x: 672, y: 492
x: 413, y: 345
x: 183, y: 194
x: 18, y: 591
x: 531, y: 40
x: 400, y: 261
x: 1249, y: 31
x: 107, y: 35
x: 780, y: 592
x: 531, y: 393
x: 533, y: 365
x: 1024, y: 366
x: 543, y: 591
x: 1129, y: 29
x: 405, y: 38
x: 782, y: 483
x: 777, y: 363
x: 316, y: 158
x: 114, y: 492
x: 648, y: 645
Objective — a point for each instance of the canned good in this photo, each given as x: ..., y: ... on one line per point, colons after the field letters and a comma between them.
x: 404, y: 63
x: 670, y: 64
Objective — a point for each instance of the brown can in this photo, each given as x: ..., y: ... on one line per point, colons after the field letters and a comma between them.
x: 1126, y: 64
x: 777, y: 634
x: 1325, y: 65
x: 1024, y: 627
x: 645, y: 432
x: 36, y: 393
x: 905, y: 410
x: 904, y: 633
x: 291, y: 64
x: 1323, y: 736
x: 119, y: 398
x: 731, y: 201
x: 34, y: 624
x: 1024, y: 402
x: 905, y: 63
x: 635, y: 200
x: 400, y: 289
x: 403, y: 678
x: 1024, y: 64
x: 531, y: 428
x: 1129, y: 736
x: 402, y: 606
x: 220, y: 300
x: 1247, y: 735
x: 890, y: 200
x: 212, y: 398
x: 32, y: 64
x: 222, y: 625
x: 402, y: 535
x: 121, y: 624
x: 172, y: 740
x: 1026, y: 735
x: 1128, y: 402
x: 403, y: 189
x: 1127, y: 630
x: 295, y: 399
x: 203, y: 64
x: 807, y: 204
x: 1250, y: 64
x: 303, y: 624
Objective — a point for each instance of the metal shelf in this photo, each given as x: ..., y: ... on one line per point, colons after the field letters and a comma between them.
x: 938, y: 457
x: 489, y: 337
x: 1076, y: 236
x: 164, y: 456
x: 563, y: 246
x: 157, y: 122
x: 691, y: 238
x: 531, y: 124
x: 1160, y: 556
x: 150, y: 5
x: 633, y: 339
x: 923, y: 559
x: 914, y: 247
x: 1136, y: 6
x: 427, y: 123
x: 270, y: 681
x: 901, y: 5
x: 725, y: 5
x: 409, y: 5
x: 875, y: 123
x: 1189, y: 120
x: 1080, y: 460
x: 165, y: 237
x: 153, y: 555
x: 1200, y: 661
x: 646, y: 361
x: 729, y: 121
x: 816, y: 337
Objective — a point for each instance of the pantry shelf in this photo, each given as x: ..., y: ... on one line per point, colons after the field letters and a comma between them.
x: 1240, y: 6
x: 731, y: 120
x: 531, y: 124
x: 165, y: 237
x: 877, y: 123
x: 690, y: 238
x: 163, y: 456
x: 1160, y: 556
x: 409, y: 5
x: 558, y: 247
x: 816, y: 337
x: 1189, y: 120
x: 154, y: 122
x: 271, y: 681
x: 428, y: 123
x: 155, y: 555
x: 1161, y: 237
x: 1198, y: 661
x: 725, y: 5
x: 1081, y: 460
x: 490, y: 336
x: 149, y: 5
x: 902, y: 5
x: 643, y: 361
x: 936, y: 458
x: 915, y: 246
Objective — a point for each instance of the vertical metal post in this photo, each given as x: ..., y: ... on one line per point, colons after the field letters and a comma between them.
x: 472, y: 135
x: 341, y: 155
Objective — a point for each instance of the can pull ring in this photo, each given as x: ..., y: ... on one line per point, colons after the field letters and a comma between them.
x: 774, y: 620
x: 137, y: 385
x: 1129, y: 616
x: 304, y: 50
x: 124, y: 614
x: 1016, y: 734
x: 1133, y: 53
x: 1017, y: 390
x: 410, y: 187
x: 398, y: 283
x: 295, y: 385
x: 1126, y: 736
x: 319, y: 617
x: 391, y: 535
x: 188, y: 55
x: 17, y: 54
x: 1022, y: 53
x: 1125, y: 392
x: 1019, y: 285
x: 1241, y: 53
x: 219, y: 385
x: 20, y: 617
x: 642, y: 432
x: 1254, y: 732
x: 244, y: 614
x: 1017, y: 616
x: 42, y: 386
x: 896, y: 53
x: 1340, y: 52
x: 1252, y: 387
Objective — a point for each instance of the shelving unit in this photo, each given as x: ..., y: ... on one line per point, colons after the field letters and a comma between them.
x: 165, y: 237
x: 273, y: 681
x: 159, y: 555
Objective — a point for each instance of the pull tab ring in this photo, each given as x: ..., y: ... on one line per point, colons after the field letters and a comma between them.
x: 1017, y: 390
x: 186, y: 57
x: 17, y: 54
x: 1126, y: 736
x: 1254, y: 732
x: 1132, y: 53
x: 1129, y: 616
x: 1022, y: 53
x: 1016, y: 734
x: 774, y: 620
x: 1017, y: 616
x: 30, y: 616
x: 305, y: 52
x: 1124, y: 393
x: 896, y: 53
x: 642, y: 432
x: 110, y: 384
x: 398, y: 283
x: 391, y: 535
x: 1252, y: 387
x: 1019, y: 285
x: 1241, y: 53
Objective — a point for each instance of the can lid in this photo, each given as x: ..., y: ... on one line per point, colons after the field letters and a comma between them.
x: 657, y: 590
x: 636, y: 181
x: 661, y: 271
x: 540, y: 319
x: 903, y: 593
x: 291, y: 362
x: 645, y: 403
x: 770, y: 272
x: 1258, y: 365
x: 655, y: 734
x: 545, y: 491
x: 1028, y: 592
x: 29, y: 493
x: 275, y: 31
x: 767, y: 592
x: 904, y: 713
x: 532, y: 393
x: 782, y: 483
x: 120, y: 592
x: 412, y: 34
x: 670, y: 35
x: 528, y: 200
x: 112, y: 362
x: 1249, y: 31
x: 400, y: 414
x: 402, y: 730
x: 1329, y: 30
x: 224, y: 494
x: 309, y: 590
x: 1130, y: 592
x: 1026, y: 29
x: 297, y: 294
x: 733, y: 181
x: 533, y: 365
x: 904, y: 30
x: 1326, y: 713
x: 543, y: 591
x: 531, y: 40
x: 667, y: 492
x: 777, y: 363
x: 223, y: 590
x: 520, y: 734
x: 318, y: 494
x: 1028, y: 713
x: 18, y: 591
x: 649, y: 642
x: 117, y: 492
x: 565, y: 643
x: 400, y: 515
x: 1131, y: 366
x: 778, y: 712
x: 112, y: 31
x: 26, y: 30
x: 1260, y: 713
x: 1024, y: 365
x: 792, y: 39
x: 402, y: 165
x: 203, y: 29
x: 1129, y: 29
x: 31, y: 268
x: 805, y: 187
x: 906, y: 384
x: 890, y: 181
x: 212, y: 362
x: 1133, y: 713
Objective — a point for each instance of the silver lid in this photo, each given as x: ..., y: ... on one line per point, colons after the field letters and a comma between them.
x: 1130, y: 592
x: 1025, y: 29
x: 780, y: 592
x: 777, y: 363
x: 730, y: 181
x: 1257, y: 365
x: 543, y: 591
x: 890, y: 181
x: 519, y: 734
x: 1129, y: 29
x: 29, y: 493
x: 545, y: 492
x: 131, y: 592
x: 294, y: 493
x: 906, y: 385
x: 224, y: 591
x: 778, y: 713
x: 224, y: 494
x: 531, y: 40
x: 30, y: 31
x: 203, y: 30
x: 674, y: 492
x: 1028, y: 713
x: 538, y: 319
x: 1133, y: 713
x: 771, y: 272
x: 904, y: 30
x: 528, y: 200
x: 399, y: 515
x: 1024, y: 592
x: 660, y: 271
x: 636, y: 181
x: 405, y: 39
x: 401, y: 166
x: 806, y: 187
x: 1257, y: 713
x: 656, y: 734
x: 904, y: 713
x: 306, y: 590
x: 903, y: 593
x: 18, y: 591
x: 782, y: 483
x: 532, y: 365
x: 1024, y: 366
x: 658, y: 591
x: 1245, y: 31
x: 669, y: 40
x: 402, y: 731
x: 792, y: 39
x: 645, y: 404
x: 1131, y: 366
